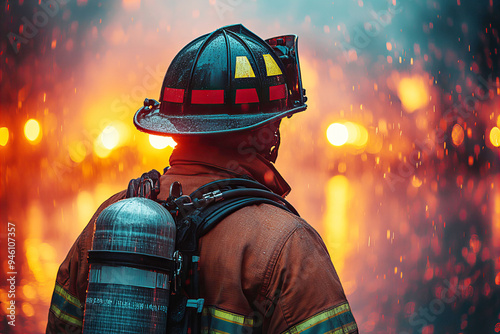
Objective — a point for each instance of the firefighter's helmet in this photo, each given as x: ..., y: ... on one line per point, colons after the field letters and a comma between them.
x: 226, y: 81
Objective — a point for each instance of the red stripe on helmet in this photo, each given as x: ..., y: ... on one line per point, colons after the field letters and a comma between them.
x: 248, y: 95
x: 207, y: 96
x: 173, y: 95
x: 277, y: 92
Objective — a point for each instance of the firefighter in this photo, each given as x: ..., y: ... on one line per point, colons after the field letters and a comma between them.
x: 261, y: 269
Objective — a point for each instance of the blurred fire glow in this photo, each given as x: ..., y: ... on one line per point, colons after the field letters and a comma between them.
x: 109, y: 137
x: 404, y: 188
x: 457, y: 134
x: 413, y: 93
x: 336, y: 220
x: 4, y: 136
x: 495, y: 136
x: 337, y: 134
x: 160, y: 142
x: 32, y: 130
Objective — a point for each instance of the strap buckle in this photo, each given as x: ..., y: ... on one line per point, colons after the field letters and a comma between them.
x: 177, y: 258
x: 196, y: 303
x: 213, y: 196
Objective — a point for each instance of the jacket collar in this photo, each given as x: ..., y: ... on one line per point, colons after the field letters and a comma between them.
x: 235, y: 163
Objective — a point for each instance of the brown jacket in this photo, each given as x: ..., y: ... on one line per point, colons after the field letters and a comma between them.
x: 262, y: 269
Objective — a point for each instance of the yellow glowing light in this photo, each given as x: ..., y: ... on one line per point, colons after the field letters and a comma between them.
x: 495, y: 136
x: 160, y: 142
x: 85, y: 205
x: 47, y: 252
x: 28, y: 310
x: 362, y: 138
x: 110, y: 137
x: 29, y: 292
x: 416, y: 182
x: 375, y: 142
x: 357, y: 134
x: 32, y: 130
x: 413, y: 93
x: 496, y: 225
x: 457, y: 134
x: 99, y: 149
x: 4, y: 136
x: 336, y: 222
x: 337, y: 134
x: 352, y: 132
x: 77, y: 151
x: 33, y: 258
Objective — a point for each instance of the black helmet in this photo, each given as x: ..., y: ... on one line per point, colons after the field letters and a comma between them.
x: 226, y: 81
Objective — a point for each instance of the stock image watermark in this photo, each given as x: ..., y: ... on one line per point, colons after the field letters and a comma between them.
x: 222, y: 7
x: 428, y: 314
x: 461, y: 109
x: 359, y: 37
x: 30, y: 27
x: 11, y: 274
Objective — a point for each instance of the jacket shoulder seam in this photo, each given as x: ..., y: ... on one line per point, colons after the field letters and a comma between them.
x: 273, y: 260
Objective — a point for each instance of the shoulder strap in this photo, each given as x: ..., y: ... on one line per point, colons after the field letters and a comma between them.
x: 218, y: 211
x: 231, y: 188
x: 215, y: 201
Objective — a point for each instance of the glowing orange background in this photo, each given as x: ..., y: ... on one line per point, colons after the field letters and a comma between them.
x: 406, y: 198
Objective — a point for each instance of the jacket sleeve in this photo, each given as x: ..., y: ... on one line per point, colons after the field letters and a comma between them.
x: 305, y: 292
x: 68, y: 298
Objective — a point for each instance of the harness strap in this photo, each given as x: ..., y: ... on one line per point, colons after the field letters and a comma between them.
x: 212, y: 216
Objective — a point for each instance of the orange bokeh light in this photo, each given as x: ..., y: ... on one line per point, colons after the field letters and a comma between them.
x: 413, y: 93
x: 32, y: 130
x: 457, y: 135
x: 495, y: 136
x: 4, y: 136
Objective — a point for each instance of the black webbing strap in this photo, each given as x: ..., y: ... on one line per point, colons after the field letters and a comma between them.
x: 137, y: 260
x: 211, y: 216
x: 225, y: 184
x: 205, y: 219
x: 237, y: 187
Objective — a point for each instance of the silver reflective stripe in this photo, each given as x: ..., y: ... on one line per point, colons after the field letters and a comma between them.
x: 128, y: 276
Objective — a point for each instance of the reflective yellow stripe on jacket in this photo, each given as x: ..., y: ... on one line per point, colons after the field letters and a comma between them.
x: 66, y: 307
x: 337, y: 320
x: 217, y: 321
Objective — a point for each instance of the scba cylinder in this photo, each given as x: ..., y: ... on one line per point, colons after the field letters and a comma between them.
x: 130, y: 262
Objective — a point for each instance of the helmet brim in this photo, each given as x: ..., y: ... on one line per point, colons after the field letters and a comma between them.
x: 156, y: 123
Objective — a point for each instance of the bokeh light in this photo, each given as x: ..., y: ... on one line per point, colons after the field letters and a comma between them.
x: 353, y: 134
x: 161, y: 142
x: 336, y: 220
x: 4, y: 136
x: 110, y: 137
x: 413, y: 93
x: 337, y: 134
x: 495, y: 136
x: 457, y: 134
x: 32, y: 130
x: 28, y: 309
x: 77, y: 151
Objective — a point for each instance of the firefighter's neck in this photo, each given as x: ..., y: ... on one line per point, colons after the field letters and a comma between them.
x: 243, y: 160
